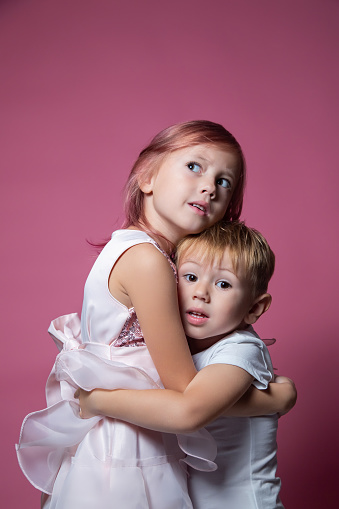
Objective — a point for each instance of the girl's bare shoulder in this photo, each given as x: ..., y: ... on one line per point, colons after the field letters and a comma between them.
x: 144, y: 257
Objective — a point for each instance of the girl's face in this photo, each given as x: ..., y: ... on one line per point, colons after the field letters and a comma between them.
x: 191, y: 190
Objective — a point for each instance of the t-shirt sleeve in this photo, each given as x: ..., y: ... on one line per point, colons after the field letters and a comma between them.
x: 248, y: 353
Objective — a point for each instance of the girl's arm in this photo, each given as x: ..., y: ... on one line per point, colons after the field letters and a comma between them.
x: 280, y: 397
x: 143, y: 278
x: 170, y: 411
x: 212, y: 391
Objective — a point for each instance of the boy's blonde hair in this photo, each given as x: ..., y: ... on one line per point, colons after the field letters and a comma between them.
x: 248, y: 249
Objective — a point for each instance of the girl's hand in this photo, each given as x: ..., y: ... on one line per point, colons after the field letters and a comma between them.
x: 87, y: 402
x: 291, y: 393
x: 280, y: 379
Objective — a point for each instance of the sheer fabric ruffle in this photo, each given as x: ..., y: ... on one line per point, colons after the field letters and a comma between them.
x: 95, y: 462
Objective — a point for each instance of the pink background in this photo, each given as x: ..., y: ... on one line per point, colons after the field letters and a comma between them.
x: 84, y: 86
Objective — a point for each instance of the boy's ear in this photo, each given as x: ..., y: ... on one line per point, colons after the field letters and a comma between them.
x: 259, y: 306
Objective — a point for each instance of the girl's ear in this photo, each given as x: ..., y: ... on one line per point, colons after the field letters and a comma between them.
x: 259, y: 306
x: 146, y: 184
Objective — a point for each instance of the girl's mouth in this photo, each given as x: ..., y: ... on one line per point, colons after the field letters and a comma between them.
x: 201, y: 208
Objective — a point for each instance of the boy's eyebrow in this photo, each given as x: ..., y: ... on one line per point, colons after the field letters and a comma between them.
x: 188, y: 261
x: 199, y: 264
x: 226, y: 270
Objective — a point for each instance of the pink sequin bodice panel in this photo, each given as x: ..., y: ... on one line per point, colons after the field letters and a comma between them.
x: 131, y: 334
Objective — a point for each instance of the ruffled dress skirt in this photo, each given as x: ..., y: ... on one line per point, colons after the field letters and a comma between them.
x: 102, y: 462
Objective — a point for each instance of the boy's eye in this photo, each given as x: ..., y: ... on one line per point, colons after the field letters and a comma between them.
x: 224, y: 285
x: 190, y: 277
x: 195, y: 167
x: 224, y: 183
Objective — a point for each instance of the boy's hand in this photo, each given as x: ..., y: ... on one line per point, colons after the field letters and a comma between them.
x: 87, y: 403
x: 291, y: 393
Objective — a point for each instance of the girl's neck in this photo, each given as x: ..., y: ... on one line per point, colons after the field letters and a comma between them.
x: 165, y: 244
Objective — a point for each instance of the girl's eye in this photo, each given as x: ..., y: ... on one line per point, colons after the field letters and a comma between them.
x: 195, y: 167
x: 224, y: 183
x: 224, y: 285
x: 191, y: 278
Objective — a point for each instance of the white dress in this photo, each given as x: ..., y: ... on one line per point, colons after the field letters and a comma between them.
x: 102, y: 462
x: 246, y: 459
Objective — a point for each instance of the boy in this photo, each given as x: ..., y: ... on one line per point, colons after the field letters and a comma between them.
x: 223, y: 278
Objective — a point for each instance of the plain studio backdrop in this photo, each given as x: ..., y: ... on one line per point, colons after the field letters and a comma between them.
x: 85, y: 84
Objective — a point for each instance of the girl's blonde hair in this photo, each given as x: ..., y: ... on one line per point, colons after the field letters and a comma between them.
x: 173, y: 138
x: 248, y: 249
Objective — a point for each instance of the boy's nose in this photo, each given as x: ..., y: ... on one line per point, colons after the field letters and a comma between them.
x: 201, y: 293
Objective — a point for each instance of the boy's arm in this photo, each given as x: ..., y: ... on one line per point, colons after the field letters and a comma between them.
x: 280, y: 397
x: 213, y: 390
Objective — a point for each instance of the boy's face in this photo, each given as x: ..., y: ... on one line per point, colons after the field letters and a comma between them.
x: 213, y: 300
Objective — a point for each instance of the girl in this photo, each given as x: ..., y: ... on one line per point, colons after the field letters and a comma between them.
x: 190, y: 176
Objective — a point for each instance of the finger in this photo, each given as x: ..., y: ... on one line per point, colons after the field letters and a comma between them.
x: 77, y: 394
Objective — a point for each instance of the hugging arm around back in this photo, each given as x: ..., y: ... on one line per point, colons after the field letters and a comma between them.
x: 212, y: 391
x: 218, y: 389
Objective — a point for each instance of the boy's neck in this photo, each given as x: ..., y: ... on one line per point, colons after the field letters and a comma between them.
x: 199, y: 345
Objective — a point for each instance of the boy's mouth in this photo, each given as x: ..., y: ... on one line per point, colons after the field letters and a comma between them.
x: 196, y: 317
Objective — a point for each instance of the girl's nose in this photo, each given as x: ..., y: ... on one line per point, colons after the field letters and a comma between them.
x: 208, y: 187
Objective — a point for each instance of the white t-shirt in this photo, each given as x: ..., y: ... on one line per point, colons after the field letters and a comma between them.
x: 246, y: 475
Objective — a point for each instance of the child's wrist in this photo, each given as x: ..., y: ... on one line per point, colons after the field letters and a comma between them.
x: 96, y: 401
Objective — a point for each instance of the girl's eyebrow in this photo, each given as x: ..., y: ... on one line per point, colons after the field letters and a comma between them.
x: 202, y: 157
x: 198, y: 156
